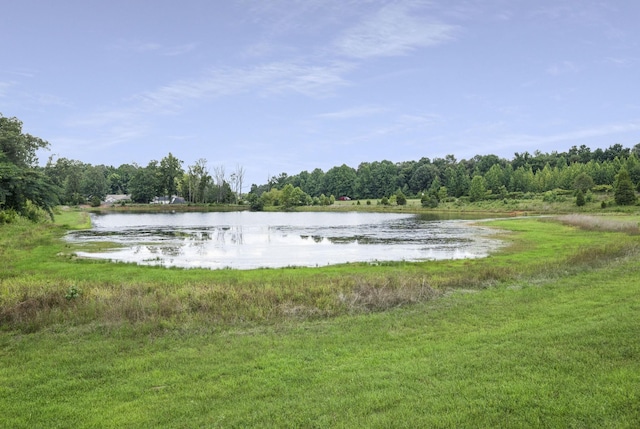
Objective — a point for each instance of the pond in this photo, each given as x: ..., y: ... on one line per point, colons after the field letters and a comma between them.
x: 247, y: 240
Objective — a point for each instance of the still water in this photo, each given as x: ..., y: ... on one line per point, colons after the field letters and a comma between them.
x: 245, y: 240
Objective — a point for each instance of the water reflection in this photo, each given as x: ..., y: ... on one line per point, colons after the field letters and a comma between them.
x: 250, y: 240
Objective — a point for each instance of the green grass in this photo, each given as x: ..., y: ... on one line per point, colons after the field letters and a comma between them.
x: 541, y: 334
x: 558, y: 354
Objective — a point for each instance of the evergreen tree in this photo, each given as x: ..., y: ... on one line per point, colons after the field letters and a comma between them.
x: 624, y: 193
x: 580, y: 201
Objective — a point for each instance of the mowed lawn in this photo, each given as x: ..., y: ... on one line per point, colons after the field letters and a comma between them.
x: 558, y: 354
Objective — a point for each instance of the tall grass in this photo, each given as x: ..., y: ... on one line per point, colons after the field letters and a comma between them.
x: 600, y: 223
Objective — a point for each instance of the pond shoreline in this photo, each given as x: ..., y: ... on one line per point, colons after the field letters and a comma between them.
x: 251, y: 240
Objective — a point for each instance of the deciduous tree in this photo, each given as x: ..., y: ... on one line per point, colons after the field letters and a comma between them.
x: 21, y: 182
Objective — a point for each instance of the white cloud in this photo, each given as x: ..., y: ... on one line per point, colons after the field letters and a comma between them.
x: 398, y: 126
x: 603, y: 130
x: 620, y: 61
x: 272, y: 78
x: 4, y: 88
x: 515, y: 142
x: 394, y: 30
x: 355, y: 112
x: 115, y: 126
x: 565, y: 67
x: 140, y: 47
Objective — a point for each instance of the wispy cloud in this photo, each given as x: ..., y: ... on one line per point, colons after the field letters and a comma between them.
x: 20, y: 72
x: 522, y: 141
x: 621, y: 61
x: 128, y: 122
x: 140, y: 47
x: 398, y: 126
x: 585, y: 133
x: 393, y: 30
x: 4, y: 88
x: 355, y: 112
x: 273, y: 78
x: 564, y: 67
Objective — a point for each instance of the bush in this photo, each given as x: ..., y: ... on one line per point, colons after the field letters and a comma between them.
x: 8, y: 216
x: 580, y: 198
x: 430, y: 202
x: 624, y: 193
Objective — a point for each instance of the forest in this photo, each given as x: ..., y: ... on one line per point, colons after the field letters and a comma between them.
x: 24, y: 184
x: 579, y: 169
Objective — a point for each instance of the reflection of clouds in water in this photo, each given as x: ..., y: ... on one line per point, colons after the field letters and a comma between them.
x: 311, y: 239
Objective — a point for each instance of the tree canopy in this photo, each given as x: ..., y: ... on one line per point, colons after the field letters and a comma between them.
x: 22, y: 185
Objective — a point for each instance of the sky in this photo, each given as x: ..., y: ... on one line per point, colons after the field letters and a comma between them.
x: 280, y: 86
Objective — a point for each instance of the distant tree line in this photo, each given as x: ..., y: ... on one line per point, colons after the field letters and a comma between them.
x: 26, y: 188
x: 79, y: 183
x: 481, y: 177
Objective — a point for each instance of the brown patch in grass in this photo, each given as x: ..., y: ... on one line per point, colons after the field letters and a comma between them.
x: 599, y: 223
x: 389, y: 293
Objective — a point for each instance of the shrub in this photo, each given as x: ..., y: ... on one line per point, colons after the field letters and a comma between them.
x: 8, y: 216
x: 72, y: 293
x: 429, y: 201
x: 624, y: 193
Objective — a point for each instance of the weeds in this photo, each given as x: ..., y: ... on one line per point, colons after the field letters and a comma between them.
x: 390, y: 293
x: 599, y: 223
x: 73, y: 293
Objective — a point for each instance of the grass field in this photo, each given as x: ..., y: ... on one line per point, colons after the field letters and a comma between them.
x: 544, y: 333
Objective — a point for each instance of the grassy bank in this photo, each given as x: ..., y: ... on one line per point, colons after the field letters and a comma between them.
x: 43, y: 283
x: 541, y: 334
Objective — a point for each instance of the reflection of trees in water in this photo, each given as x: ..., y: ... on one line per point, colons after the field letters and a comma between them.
x: 171, y: 250
x: 161, y: 250
x: 219, y: 235
x: 237, y: 236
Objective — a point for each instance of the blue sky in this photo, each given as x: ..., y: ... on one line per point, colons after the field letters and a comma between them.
x: 284, y: 86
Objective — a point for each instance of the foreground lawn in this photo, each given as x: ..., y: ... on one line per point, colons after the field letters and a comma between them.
x: 543, y: 334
